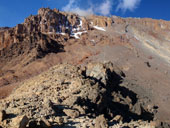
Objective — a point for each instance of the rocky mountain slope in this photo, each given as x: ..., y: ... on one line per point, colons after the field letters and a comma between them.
x: 65, y: 95
x: 56, y: 63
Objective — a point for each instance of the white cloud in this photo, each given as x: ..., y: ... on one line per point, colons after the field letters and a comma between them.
x: 83, y: 12
x: 105, y: 8
x: 72, y: 7
x: 69, y: 6
x: 130, y: 5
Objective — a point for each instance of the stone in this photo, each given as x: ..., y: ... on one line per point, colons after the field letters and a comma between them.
x: 47, y: 103
x: 20, y: 121
x: 101, y: 122
x: 45, y: 123
x: 118, y: 118
x: 97, y: 71
x: 84, y: 125
x: 65, y: 119
x: 32, y: 124
x: 137, y: 109
x: 80, y: 109
x: 59, y: 120
x: 71, y: 113
x: 2, y: 115
x: 148, y: 64
x: 71, y: 100
x: 92, y: 126
x: 5, y: 122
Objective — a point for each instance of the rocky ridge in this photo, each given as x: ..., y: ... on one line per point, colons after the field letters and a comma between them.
x: 47, y: 32
x: 140, y: 47
x: 65, y: 95
x: 51, y: 22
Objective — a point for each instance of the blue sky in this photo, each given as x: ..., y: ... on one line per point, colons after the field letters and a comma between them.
x: 13, y: 12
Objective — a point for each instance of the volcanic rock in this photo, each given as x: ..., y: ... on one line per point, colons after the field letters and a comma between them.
x: 59, y: 120
x: 71, y: 113
x: 101, y: 122
x: 3, y: 115
x: 20, y: 122
x: 118, y: 118
x: 45, y: 123
x: 85, y: 89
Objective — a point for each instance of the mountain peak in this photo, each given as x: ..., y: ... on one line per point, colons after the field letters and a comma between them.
x: 139, y: 48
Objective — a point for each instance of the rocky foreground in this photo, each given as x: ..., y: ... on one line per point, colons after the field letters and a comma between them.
x: 93, y: 96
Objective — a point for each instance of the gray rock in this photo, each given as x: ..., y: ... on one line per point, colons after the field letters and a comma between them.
x: 97, y: 71
x: 47, y: 102
x: 45, y: 123
x: 59, y: 120
x: 101, y: 122
x: 118, y: 118
x: 20, y: 121
x: 80, y: 109
x: 71, y: 113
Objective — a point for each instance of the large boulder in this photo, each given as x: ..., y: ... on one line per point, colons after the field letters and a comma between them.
x: 71, y: 113
x: 2, y: 115
x: 101, y: 122
x: 20, y: 122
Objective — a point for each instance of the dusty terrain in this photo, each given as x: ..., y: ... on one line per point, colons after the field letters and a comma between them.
x: 138, y: 47
x: 92, y: 96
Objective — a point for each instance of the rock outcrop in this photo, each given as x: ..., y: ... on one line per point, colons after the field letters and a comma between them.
x: 34, y: 33
x: 51, y: 22
x: 66, y: 94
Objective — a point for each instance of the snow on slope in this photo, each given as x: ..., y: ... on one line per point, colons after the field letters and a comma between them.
x: 99, y: 28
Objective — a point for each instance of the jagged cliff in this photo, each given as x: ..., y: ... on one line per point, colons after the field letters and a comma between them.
x: 50, y: 22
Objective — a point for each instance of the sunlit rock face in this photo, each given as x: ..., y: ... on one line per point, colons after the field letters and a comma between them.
x: 51, y: 22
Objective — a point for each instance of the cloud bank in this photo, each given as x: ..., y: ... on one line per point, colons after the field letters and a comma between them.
x: 72, y: 7
x: 104, y: 7
x: 130, y: 5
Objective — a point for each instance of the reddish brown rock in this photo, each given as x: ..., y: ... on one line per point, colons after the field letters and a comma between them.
x: 101, y: 21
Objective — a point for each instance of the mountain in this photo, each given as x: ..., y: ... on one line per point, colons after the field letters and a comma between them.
x: 61, y: 66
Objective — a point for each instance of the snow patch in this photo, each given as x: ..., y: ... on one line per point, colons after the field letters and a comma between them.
x: 78, y: 34
x: 81, y: 23
x: 162, y: 26
x: 76, y: 31
x: 63, y: 33
x: 99, y: 28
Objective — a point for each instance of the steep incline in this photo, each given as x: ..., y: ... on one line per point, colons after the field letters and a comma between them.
x: 139, y: 47
x: 69, y: 96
